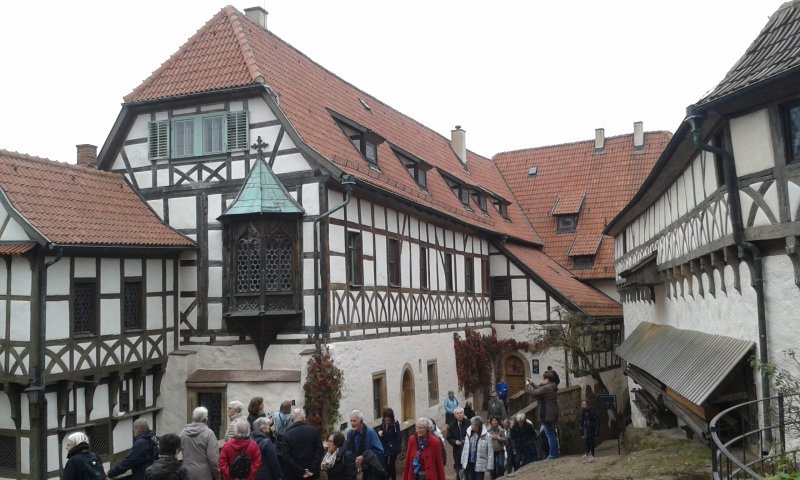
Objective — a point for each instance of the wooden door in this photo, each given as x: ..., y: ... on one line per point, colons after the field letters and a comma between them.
x: 514, y: 374
x: 409, y: 409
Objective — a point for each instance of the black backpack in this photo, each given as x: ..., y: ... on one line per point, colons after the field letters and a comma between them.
x: 154, y: 450
x: 240, y: 468
x: 95, y: 468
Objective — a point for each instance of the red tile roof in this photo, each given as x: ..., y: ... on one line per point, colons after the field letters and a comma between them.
x: 568, y: 203
x: 231, y: 51
x: 15, y: 248
x: 609, y: 180
x: 585, y: 244
x: 71, y: 204
x: 590, y: 301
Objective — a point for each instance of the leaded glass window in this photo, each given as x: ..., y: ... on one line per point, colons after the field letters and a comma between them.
x: 99, y: 439
x: 132, y: 306
x: 84, y: 308
x: 8, y: 453
x: 792, y: 115
x: 248, y: 264
x: 278, y: 263
x: 213, y: 402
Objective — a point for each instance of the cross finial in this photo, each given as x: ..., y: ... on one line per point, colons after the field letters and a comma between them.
x: 259, y: 147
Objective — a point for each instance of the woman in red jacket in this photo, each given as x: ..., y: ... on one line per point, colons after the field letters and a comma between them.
x: 424, y: 455
x: 234, y: 446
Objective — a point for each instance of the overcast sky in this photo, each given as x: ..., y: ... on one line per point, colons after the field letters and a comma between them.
x: 513, y: 74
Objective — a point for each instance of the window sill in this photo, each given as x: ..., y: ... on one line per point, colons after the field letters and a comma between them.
x: 356, y: 286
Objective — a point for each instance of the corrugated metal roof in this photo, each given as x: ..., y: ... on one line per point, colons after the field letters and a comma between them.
x: 691, y: 363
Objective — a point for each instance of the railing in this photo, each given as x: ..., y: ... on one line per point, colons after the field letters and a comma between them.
x: 743, y: 447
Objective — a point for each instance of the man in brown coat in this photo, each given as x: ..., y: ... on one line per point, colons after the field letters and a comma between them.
x: 547, y: 395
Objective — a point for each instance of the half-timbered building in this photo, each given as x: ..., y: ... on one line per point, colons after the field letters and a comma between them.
x: 706, y: 252
x: 88, y: 311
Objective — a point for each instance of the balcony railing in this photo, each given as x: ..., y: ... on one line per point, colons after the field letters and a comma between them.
x: 745, y: 447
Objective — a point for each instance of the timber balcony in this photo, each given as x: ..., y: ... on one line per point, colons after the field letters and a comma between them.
x: 744, y: 449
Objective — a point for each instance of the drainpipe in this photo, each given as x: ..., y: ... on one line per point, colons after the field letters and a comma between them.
x: 347, y: 182
x: 745, y: 248
x: 36, y: 392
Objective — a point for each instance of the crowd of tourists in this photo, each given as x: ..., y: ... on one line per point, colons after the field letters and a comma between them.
x: 283, y: 446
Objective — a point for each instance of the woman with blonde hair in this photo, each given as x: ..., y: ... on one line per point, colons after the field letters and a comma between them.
x: 82, y: 463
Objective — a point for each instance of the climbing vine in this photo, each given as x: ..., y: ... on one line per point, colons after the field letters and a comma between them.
x: 478, y: 357
x: 323, y: 391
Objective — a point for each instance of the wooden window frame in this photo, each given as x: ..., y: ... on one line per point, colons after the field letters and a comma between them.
x: 141, y: 312
x: 354, y: 258
x: 234, y: 131
x: 379, y: 396
x: 193, y: 402
x: 415, y: 168
x: 95, y: 307
x: 501, y: 288
x: 433, y: 383
x: 790, y: 137
x: 424, y: 282
x: 501, y: 206
x: 469, y: 274
x: 393, y: 265
x: 447, y: 261
x: 566, y: 223
x: 486, y: 279
x: 583, y: 262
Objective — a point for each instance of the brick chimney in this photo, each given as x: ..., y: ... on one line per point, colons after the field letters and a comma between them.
x: 599, y: 140
x: 638, y: 137
x: 458, y: 142
x: 87, y: 155
x: 258, y: 15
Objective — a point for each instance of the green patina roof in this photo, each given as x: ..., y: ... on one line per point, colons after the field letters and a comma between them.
x: 262, y: 192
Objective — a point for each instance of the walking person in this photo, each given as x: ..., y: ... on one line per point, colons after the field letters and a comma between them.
x: 240, y: 457
x: 389, y: 433
x: 523, y: 438
x: 199, y: 447
x: 547, y: 394
x: 502, y: 392
x: 82, y: 463
x: 478, y: 455
x: 235, y: 409
x: 270, y: 468
x: 365, y: 445
x: 450, y: 405
x: 338, y: 462
x: 498, y: 437
x: 166, y: 466
x: 255, y: 410
x: 496, y: 407
x: 302, y: 450
x: 511, y: 461
x: 588, y: 430
x: 142, y: 454
x: 456, y: 432
x: 423, y: 454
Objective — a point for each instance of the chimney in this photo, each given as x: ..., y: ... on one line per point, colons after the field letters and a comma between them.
x: 87, y: 155
x: 458, y: 141
x: 258, y: 15
x: 599, y: 140
x: 638, y: 137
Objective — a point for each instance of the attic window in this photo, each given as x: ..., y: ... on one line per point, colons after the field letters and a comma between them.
x: 567, y: 223
x: 583, y: 262
x: 416, y: 168
x: 501, y: 206
x: 533, y: 171
x: 364, y: 140
x: 480, y: 199
x: 460, y: 190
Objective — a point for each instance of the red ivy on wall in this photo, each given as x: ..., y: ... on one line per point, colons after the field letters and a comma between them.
x: 323, y: 391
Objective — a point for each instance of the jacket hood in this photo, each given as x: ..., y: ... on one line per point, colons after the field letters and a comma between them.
x: 195, y: 428
x: 81, y: 447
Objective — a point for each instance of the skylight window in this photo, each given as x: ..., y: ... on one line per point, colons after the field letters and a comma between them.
x: 533, y: 171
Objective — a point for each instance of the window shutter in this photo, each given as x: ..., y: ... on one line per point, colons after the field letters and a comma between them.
x: 237, y: 131
x: 158, y: 140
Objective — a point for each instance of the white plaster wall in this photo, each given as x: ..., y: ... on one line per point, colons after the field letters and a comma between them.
x: 311, y: 199
x: 752, y: 142
x: 607, y: 286
x: 183, y: 212
x: 154, y: 275
x: 155, y: 317
x: 14, y: 232
x: 293, y: 162
x: 20, y: 276
x: 57, y: 278
x: 336, y: 238
x: 123, y: 435
x: 20, y: 320
x: 86, y: 267
x: 5, y: 412
x: 109, y: 274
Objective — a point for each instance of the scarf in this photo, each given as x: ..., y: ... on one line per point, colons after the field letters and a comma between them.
x: 328, y: 461
x: 422, y: 442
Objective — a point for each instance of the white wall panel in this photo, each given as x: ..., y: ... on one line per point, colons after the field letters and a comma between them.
x: 752, y: 142
x: 109, y: 274
x: 20, y: 276
x: 20, y: 320
x: 109, y: 316
x: 183, y: 212
x: 154, y: 275
x: 57, y: 319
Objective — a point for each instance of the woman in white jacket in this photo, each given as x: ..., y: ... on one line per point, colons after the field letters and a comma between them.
x: 478, y: 454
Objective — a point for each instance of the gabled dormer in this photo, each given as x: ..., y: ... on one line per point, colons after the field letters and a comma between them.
x: 363, y: 139
x: 416, y: 167
x: 566, y: 209
x: 459, y: 188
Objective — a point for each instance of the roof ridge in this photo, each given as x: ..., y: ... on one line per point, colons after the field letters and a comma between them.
x: 47, y: 161
x: 234, y: 16
x: 576, y: 142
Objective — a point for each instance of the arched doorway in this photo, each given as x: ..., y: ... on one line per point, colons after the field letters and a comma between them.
x: 409, y: 409
x: 514, y: 370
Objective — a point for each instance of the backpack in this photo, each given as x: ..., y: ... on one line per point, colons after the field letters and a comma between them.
x: 240, y: 467
x: 154, y: 450
x: 94, y: 469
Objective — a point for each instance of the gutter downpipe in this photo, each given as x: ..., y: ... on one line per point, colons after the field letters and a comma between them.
x: 38, y: 383
x: 347, y: 182
x: 695, y: 119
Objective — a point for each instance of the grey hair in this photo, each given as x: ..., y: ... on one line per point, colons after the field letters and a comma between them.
x: 141, y: 425
x: 520, y: 416
x: 241, y: 428
x: 199, y: 414
x: 77, y: 438
x: 424, y: 422
x: 477, y: 421
x: 458, y: 409
x: 236, y: 405
x: 298, y: 415
x: 260, y: 423
x: 357, y: 414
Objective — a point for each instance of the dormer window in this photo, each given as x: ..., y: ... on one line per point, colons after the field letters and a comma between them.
x: 416, y: 168
x: 459, y: 189
x: 567, y: 223
x: 566, y: 209
x: 501, y: 206
x: 583, y: 262
x: 480, y: 199
x: 363, y: 139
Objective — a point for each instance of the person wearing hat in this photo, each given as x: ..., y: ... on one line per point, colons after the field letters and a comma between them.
x: 496, y: 407
x: 81, y: 462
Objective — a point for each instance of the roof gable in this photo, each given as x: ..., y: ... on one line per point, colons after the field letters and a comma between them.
x: 72, y: 205
x: 262, y: 193
x: 573, y: 178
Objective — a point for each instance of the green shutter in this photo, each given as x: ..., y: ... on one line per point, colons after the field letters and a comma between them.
x: 237, y: 131
x: 158, y: 139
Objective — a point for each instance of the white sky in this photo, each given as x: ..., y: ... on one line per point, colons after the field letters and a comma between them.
x: 513, y: 74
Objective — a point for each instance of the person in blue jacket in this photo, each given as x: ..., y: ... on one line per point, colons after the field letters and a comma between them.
x: 364, y: 443
x: 450, y: 404
x: 141, y: 455
x: 502, y: 391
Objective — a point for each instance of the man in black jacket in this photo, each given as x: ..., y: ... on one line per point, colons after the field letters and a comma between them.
x: 141, y: 454
x: 301, y: 450
x: 456, y: 432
